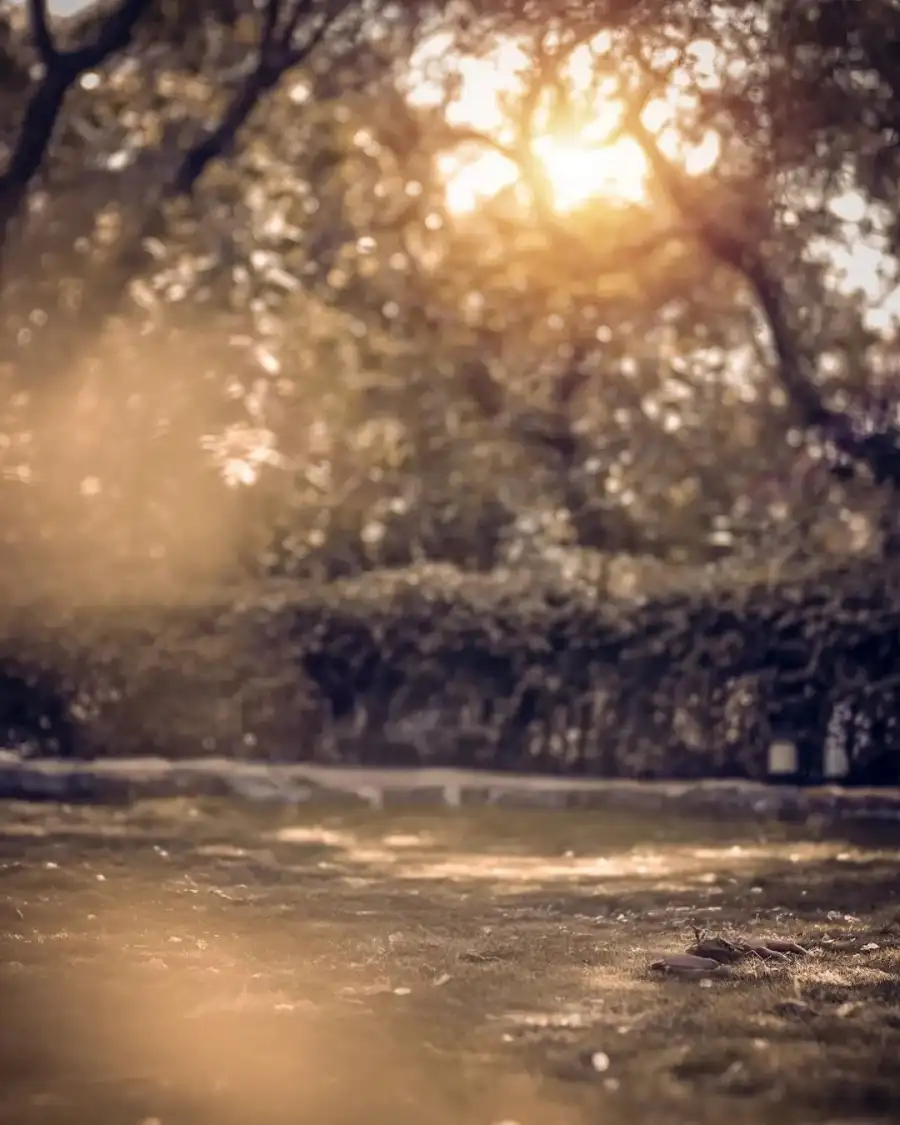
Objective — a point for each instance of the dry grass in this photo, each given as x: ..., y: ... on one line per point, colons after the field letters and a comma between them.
x: 194, y: 963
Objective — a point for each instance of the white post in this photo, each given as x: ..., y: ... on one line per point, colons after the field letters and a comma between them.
x: 844, y: 720
x: 784, y: 760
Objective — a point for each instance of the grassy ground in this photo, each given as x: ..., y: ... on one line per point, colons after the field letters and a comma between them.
x: 183, y: 963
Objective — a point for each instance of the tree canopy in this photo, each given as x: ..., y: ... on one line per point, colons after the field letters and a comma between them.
x: 315, y: 286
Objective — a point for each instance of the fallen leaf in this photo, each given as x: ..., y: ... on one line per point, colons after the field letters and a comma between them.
x: 717, y: 949
x: 688, y: 965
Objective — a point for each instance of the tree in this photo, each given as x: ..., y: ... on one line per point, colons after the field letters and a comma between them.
x: 771, y: 117
x: 87, y: 291
x: 670, y: 375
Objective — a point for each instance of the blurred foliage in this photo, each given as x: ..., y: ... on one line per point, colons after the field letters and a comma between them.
x: 245, y: 333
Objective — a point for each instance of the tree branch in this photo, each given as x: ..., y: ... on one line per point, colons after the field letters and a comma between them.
x: 554, y: 431
x: 61, y: 70
x: 795, y: 367
x: 270, y: 22
x: 745, y: 258
x: 276, y: 54
x: 39, y: 21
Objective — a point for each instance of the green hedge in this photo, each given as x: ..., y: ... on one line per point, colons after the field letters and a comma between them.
x: 434, y: 666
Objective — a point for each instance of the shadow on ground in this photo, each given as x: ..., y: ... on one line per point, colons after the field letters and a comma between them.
x: 186, y: 963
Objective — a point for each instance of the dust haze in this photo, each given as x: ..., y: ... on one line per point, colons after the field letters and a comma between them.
x: 115, y: 501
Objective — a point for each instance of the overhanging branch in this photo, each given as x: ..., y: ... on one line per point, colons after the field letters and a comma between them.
x: 40, y: 32
x: 277, y: 53
x: 62, y: 68
x: 746, y: 259
x: 794, y: 366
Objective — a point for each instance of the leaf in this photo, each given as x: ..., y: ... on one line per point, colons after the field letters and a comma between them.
x: 688, y: 965
x: 718, y: 949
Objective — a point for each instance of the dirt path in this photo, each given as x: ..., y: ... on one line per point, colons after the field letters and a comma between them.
x: 187, y: 962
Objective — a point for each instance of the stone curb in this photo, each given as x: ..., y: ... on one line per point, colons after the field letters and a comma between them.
x: 126, y: 780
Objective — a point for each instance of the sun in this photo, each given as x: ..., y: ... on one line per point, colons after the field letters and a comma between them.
x: 577, y: 171
x: 592, y: 165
